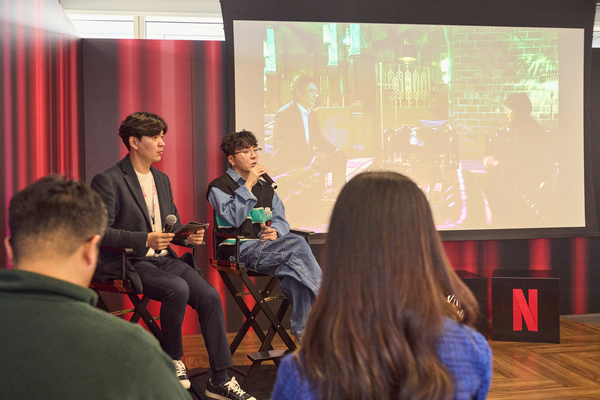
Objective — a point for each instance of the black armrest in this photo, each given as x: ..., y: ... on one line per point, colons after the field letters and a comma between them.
x: 127, y: 251
x: 304, y: 233
x: 230, y: 236
x: 124, y: 252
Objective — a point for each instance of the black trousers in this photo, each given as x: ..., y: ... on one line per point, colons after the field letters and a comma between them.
x: 175, y: 284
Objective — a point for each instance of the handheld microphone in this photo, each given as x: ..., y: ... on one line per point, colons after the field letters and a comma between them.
x: 170, y: 221
x: 269, y: 180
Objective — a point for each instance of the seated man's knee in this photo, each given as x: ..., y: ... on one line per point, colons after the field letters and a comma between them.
x: 298, y: 242
x: 213, y: 296
x: 206, y: 298
x: 178, y: 290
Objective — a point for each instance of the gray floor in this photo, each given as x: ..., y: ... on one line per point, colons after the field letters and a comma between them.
x: 592, y: 319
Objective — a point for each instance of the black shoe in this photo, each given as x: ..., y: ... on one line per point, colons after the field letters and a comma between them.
x: 182, y: 373
x: 227, y: 390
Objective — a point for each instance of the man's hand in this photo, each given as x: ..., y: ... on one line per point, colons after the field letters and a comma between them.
x: 268, y: 233
x: 489, y: 161
x: 253, y: 175
x: 159, y: 240
x: 196, y: 238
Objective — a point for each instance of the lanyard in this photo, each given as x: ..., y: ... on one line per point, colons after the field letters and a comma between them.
x: 151, y: 209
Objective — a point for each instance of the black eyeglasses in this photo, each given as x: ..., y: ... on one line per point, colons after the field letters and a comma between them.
x: 248, y: 152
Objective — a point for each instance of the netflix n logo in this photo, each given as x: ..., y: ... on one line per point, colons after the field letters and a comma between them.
x: 522, y: 310
x: 525, y: 306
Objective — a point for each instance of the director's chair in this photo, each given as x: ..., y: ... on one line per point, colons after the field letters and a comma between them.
x: 236, y: 271
x: 125, y: 286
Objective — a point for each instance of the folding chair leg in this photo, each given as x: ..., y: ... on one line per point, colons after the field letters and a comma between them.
x: 275, y: 322
x: 250, y: 316
x: 266, y: 350
x: 266, y: 344
x: 136, y: 314
x: 271, y: 333
x: 140, y: 308
x: 249, y: 322
x: 101, y: 303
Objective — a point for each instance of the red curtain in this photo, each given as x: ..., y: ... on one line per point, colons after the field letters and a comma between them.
x: 181, y: 81
x: 40, y: 102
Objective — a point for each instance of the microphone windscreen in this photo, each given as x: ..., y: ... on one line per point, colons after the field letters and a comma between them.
x: 169, y: 222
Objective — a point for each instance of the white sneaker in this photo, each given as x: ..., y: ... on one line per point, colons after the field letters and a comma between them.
x: 182, y: 373
x: 228, y: 390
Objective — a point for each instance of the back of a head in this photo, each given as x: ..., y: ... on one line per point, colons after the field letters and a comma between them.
x: 382, y: 219
x: 384, y: 264
x: 299, y: 83
x: 140, y: 124
x: 52, y: 215
x: 520, y: 104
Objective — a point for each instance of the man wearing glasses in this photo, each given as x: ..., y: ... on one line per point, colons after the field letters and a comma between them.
x: 245, y: 205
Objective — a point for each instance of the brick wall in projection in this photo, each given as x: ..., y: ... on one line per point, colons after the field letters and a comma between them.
x: 491, y: 63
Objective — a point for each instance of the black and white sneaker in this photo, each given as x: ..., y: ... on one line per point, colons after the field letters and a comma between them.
x: 228, y: 390
x: 182, y: 373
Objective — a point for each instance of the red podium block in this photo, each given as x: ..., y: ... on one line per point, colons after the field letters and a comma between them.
x: 525, y: 306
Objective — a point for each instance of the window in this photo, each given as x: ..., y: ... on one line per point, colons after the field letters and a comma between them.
x: 184, y: 28
x: 103, y: 26
x: 147, y: 27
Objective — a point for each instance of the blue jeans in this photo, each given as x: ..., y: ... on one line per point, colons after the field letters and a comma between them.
x: 289, y: 259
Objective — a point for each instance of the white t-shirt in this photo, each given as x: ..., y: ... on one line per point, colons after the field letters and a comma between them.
x: 151, y: 198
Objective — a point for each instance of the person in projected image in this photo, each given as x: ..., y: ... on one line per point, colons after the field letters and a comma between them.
x: 520, y: 167
x: 385, y: 324
x: 298, y: 142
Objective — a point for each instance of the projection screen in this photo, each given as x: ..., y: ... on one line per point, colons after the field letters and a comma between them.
x: 487, y: 120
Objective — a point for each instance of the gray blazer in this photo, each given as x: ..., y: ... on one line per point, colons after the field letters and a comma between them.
x: 128, y: 219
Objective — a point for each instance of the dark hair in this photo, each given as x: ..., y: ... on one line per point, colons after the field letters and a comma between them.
x: 300, y: 83
x: 236, y: 141
x: 520, y: 104
x: 373, y: 329
x: 54, y: 213
x: 141, y: 124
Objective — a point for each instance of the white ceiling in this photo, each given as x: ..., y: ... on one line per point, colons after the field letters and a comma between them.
x: 145, y: 7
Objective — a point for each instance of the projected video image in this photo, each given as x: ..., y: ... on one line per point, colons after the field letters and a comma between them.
x: 470, y: 113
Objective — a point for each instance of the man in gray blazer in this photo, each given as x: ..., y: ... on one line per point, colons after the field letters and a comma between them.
x: 138, y: 199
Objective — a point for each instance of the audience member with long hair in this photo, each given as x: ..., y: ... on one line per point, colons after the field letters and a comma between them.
x: 382, y: 327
